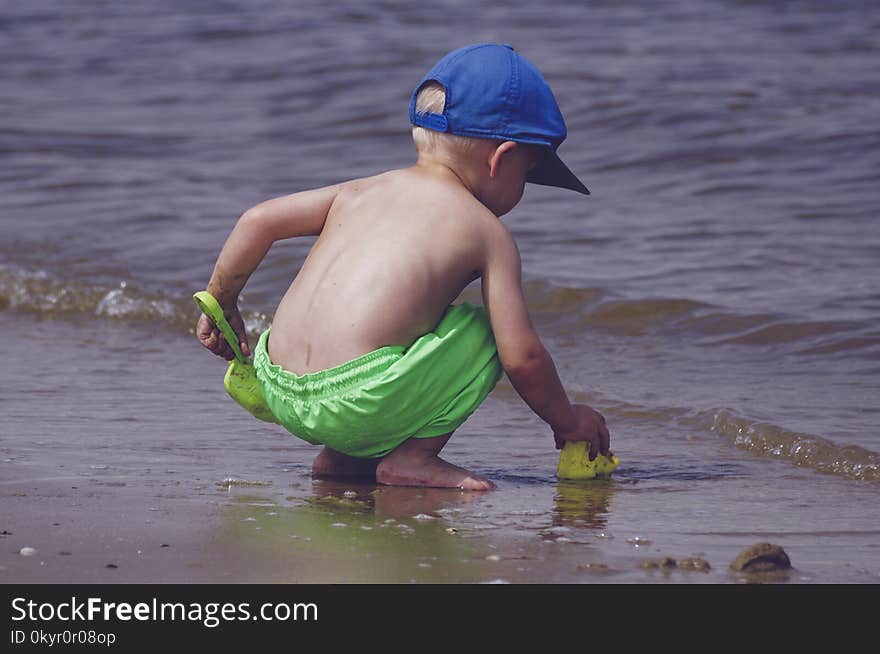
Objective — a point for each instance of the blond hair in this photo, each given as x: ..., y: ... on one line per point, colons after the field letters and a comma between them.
x: 432, y: 99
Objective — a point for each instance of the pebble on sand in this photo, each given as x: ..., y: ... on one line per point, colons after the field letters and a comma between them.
x: 27, y: 551
x: 667, y: 563
x: 664, y: 563
x: 694, y: 563
x: 761, y: 557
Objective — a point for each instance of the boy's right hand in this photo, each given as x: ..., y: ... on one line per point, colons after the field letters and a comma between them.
x: 213, y: 340
x: 589, y: 425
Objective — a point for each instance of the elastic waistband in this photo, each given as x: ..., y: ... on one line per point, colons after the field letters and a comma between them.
x: 328, y: 382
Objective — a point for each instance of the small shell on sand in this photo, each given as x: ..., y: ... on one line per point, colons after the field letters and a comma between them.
x: 593, y: 567
x: 27, y: 551
x: 423, y: 516
x: 761, y: 557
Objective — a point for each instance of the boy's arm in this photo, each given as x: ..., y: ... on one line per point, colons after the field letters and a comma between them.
x: 523, y: 356
x: 300, y: 214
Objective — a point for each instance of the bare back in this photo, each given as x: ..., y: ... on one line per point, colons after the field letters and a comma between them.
x: 395, y: 251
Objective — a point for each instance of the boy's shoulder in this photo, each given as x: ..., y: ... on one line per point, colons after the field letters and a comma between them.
x: 442, y: 209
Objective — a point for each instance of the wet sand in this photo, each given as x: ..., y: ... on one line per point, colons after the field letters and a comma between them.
x: 328, y: 532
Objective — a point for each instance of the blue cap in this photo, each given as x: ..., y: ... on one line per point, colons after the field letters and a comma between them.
x: 493, y: 92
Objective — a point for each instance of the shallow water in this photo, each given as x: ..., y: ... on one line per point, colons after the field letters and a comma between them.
x: 716, y: 297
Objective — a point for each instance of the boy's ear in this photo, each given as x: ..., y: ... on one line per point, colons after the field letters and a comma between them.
x: 497, y: 155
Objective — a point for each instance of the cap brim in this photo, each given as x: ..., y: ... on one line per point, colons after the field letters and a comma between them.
x: 552, y: 172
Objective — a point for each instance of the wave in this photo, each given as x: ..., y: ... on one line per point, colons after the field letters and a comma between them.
x: 760, y: 438
x: 806, y: 450
x: 558, y: 310
x: 47, y: 296
x: 567, y: 311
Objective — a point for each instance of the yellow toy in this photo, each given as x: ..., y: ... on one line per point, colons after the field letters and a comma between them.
x: 240, y: 381
x: 574, y: 463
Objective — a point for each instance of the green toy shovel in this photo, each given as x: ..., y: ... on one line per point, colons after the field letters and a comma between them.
x: 241, y: 379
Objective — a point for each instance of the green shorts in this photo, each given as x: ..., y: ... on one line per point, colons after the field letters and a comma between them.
x: 370, y: 405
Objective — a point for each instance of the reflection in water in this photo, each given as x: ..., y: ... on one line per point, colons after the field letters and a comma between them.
x: 582, y: 503
x: 394, y: 501
x: 345, y: 532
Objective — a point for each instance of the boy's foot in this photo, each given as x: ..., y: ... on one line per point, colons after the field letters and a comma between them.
x: 413, y: 466
x: 434, y: 472
x: 330, y: 464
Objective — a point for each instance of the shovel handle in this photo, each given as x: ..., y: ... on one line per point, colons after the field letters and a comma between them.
x: 211, y: 308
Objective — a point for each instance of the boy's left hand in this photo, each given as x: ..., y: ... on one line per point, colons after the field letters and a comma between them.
x: 210, y: 337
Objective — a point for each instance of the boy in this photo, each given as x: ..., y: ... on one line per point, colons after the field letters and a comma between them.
x: 366, y: 355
